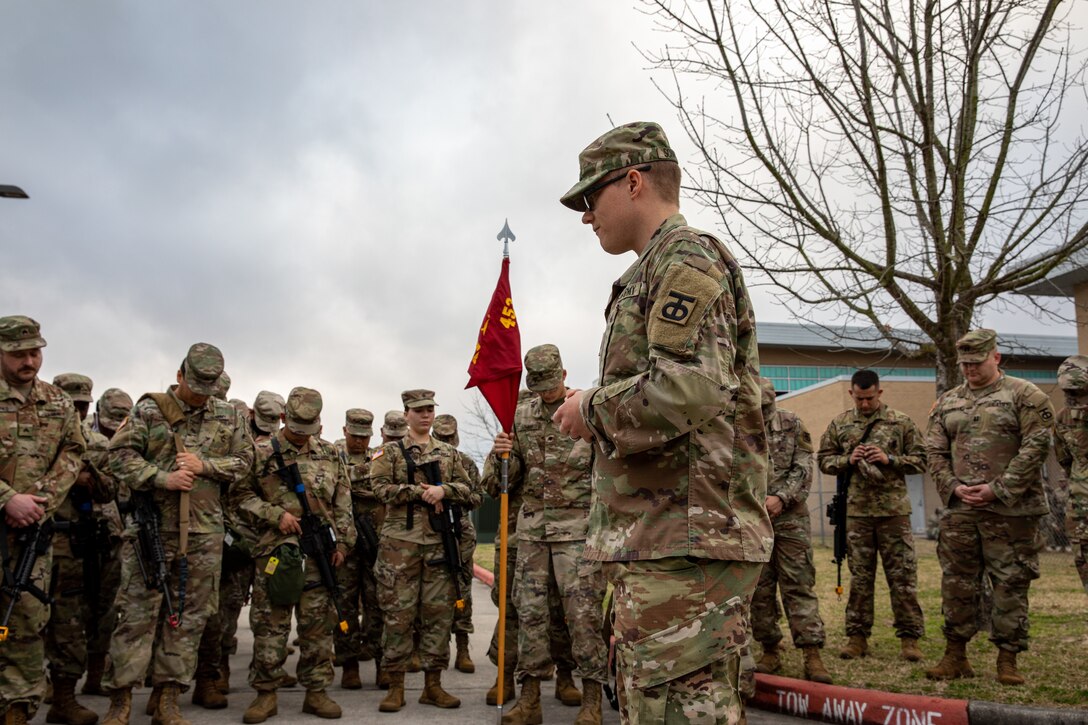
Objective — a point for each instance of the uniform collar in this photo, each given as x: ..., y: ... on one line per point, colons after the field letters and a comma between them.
x: 7, y: 392
x: 672, y: 222
x: 991, y: 388
x: 187, y: 409
x: 880, y: 414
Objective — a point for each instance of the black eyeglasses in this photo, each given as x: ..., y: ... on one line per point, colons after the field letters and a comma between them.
x: 589, y: 193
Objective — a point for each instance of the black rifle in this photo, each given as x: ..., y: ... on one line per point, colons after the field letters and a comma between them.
x: 318, y: 539
x: 150, y: 552
x: 35, y: 541
x: 88, y: 541
x: 836, y: 510
x: 447, y: 524
x: 366, y: 540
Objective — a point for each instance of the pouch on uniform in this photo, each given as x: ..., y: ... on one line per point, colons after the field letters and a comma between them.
x: 237, y: 550
x: 287, y: 577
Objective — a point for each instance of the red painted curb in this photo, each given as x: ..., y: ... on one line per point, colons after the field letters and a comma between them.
x: 483, y: 574
x: 834, y: 704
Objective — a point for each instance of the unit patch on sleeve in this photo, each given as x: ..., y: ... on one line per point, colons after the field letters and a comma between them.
x: 682, y: 300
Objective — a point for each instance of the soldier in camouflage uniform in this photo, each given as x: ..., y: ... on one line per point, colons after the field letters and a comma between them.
x: 275, y: 509
x: 790, y: 569
x: 111, y: 410
x: 357, y: 574
x: 181, y: 441
x: 409, y: 589
x: 41, y: 449
x: 987, y: 439
x: 445, y: 430
x: 552, y: 472
x: 680, y: 476
x: 76, y: 570
x: 1071, y: 448
x: 877, y: 447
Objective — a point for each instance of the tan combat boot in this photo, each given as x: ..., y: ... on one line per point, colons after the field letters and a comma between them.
x: 954, y: 664
x: 769, y: 661
x: 857, y: 647
x: 527, y: 710
x: 263, y: 707
x: 120, y: 707
x: 169, y: 712
x: 16, y: 714
x: 590, y: 714
x: 433, y: 694
x: 394, y: 698
x: 509, y: 693
x: 207, y: 695
x: 1007, y: 674
x: 320, y: 704
x: 908, y: 649
x: 65, y: 709
x: 814, y: 666
x: 462, y: 662
x: 96, y: 668
x: 153, y: 700
x: 565, y: 690
x: 349, y: 680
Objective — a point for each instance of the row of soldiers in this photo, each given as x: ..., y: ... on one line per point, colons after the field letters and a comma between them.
x: 238, y: 507
x: 985, y: 444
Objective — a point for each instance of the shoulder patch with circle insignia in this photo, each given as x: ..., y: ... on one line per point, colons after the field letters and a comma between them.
x: 682, y: 300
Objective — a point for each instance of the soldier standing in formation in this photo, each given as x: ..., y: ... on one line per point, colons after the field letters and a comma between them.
x: 281, y: 587
x: 552, y: 472
x: 41, y: 444
x: 876, y: 447
x: 416, y: 477
x: 987, y: 440
x: 790, y: 569
x: 183, y: 441
x: 445, y: 430
x: 680, y: 476
x: 1071, y: 447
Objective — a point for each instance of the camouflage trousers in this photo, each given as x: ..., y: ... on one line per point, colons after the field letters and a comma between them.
x: 409, y: 589
x: 547, y: 570
x: 462, y: 618
x: 66, y: 635
x: 100, y: 629
x: 359, y: 600
x: 140, y: 611
x: 790, y: 570
x: 215, y: 644
x: 1004, y: 549
x: 558, y: 636
x: 1078, y: 510
x: 22, y: 655
x: 890, y: 538
x: 271, y: 625
x: 680, y: 624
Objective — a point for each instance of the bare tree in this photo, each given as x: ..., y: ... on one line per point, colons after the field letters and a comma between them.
x: 892, y: 161
x: 478, y: 428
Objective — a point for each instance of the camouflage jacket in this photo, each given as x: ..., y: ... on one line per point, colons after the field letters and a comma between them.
x: 791, y: 463
x: 265, y: 496
x: 103, y: 496
x: 476, y: 495
x: 142, y: 454
x: 389, y: 480
x: 41, y: 444
x: 881, y: 490
x: 677, y: 414
x: 551, y: 473
x: 1071, y: 448
x: 492, y: 484
x: 998, y: 435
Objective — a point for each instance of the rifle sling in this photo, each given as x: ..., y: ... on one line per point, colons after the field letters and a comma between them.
x: 278, y: 453
x: 174, y: 416
x: 411, y: 465
x: 864, y: 437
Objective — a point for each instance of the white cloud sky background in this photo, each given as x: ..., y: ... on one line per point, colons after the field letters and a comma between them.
x: 316, y: 190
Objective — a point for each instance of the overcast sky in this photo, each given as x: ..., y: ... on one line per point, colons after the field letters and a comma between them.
x: 314, y: 188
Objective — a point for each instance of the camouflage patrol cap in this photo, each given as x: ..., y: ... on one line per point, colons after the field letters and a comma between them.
x: 113, y: 407
x: 267, y: 409
x: 240, y: 405
x: 18, y: 332
x: 303, y: 411
x: 543, y: 368
x: 417, y: 398
x: 395, y: 426
x: 1073, y: 373
x: 445, y: 429
x: 203, y: 365
x: 975, y: 346
x: 77, y: 386
x: 222, y: 386
x: 642, y: 142
x: 359, y: 422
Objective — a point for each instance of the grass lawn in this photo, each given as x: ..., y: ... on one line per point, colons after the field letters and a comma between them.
x: 1055, y: 666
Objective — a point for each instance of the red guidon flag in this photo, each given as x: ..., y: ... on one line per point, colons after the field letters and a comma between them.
x: 496, y: 365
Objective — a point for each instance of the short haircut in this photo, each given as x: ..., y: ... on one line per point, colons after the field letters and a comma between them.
x: 664, y: 178
x: 864, y: 379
